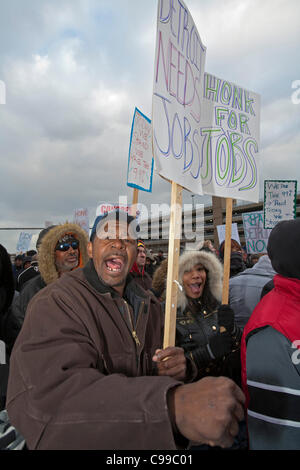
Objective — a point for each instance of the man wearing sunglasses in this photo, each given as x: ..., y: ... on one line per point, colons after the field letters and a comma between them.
x: 87, y: 371
x: 61, y: 248
x: 66, y: 254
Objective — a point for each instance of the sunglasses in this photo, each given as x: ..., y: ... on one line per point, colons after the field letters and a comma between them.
x: 67, y: 246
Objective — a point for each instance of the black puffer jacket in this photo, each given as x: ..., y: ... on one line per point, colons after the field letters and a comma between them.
x: 205, y: 329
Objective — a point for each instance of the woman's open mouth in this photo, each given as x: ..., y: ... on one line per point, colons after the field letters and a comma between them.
x: 195, y: 288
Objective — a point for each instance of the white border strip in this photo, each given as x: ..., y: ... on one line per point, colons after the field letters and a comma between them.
x: 274, y: 388
x: 269, y: 419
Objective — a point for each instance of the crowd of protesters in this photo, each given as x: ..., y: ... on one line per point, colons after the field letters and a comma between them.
x: 82, y: 320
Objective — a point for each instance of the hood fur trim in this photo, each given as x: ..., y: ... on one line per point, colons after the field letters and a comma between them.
x: 46, y: 249
x: 215, y: 272
x: 160, y: 278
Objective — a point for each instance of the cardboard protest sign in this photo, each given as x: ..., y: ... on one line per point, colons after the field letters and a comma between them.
x: 23, y: 242
x: 81, y: 218
x: 222, y: 232
x: 177, y: 95
x: 108, y: 207
x: 140, y: 161
x: 280, y: 200
x: 256, y: 236
x: 228, y: 140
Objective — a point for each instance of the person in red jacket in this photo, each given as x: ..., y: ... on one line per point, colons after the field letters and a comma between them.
x: 138, y: 268
x: 270, y: 358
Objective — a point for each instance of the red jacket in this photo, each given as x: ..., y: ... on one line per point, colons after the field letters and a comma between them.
x: 141, y: 277
x: 279, y: 309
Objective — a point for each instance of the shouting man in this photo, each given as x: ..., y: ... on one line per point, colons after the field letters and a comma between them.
x: 88, y: 372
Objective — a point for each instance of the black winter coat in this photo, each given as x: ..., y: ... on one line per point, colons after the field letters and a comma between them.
x: 195, y: 328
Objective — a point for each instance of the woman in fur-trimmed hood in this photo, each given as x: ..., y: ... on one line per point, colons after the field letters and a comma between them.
x: 205, y: 329
x: 54, y: 258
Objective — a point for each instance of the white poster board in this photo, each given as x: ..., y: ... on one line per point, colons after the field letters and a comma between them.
x: 140, y: 160
x: 177, y: 95
x: 81, y: 218
x: 228, y: 140
x: 256, y: 236
x: 23, y: 242
x: 234, y: 233
x: 280, y: 200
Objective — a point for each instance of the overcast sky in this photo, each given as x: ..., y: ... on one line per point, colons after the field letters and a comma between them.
x: 74, y: 72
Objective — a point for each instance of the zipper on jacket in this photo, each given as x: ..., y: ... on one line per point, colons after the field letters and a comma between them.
x: 133, y: 330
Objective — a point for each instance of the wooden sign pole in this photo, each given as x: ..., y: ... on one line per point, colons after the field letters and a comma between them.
x: 173, y: 263
x: 227, y: 251
x: 135, y: 201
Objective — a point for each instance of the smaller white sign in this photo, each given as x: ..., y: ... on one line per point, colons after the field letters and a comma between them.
x: 24, y: 242
x: 234, y: 233
x: 81, y: 218
x: 280, y: 197
x: 140, y: 161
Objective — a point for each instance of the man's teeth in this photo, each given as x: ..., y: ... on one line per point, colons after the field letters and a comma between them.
x: 114, y: 265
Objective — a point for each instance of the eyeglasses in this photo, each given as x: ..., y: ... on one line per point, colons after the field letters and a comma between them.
x: 67, y: 246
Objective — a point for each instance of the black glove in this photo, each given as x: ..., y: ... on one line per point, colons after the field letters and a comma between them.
x: 226, y: 318
x: 220, y: 345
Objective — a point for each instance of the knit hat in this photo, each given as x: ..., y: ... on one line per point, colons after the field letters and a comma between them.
x: 284, y: 248
x: 141, y: 244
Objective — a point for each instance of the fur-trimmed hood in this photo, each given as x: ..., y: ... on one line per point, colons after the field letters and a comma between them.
x: 159, y: 279
x: 46, y: 249
x: 215, y: 273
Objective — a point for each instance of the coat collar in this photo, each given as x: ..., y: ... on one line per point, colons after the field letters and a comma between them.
x: 92, y: 277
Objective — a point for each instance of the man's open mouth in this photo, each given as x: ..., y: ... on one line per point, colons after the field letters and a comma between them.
x: 115, y: 265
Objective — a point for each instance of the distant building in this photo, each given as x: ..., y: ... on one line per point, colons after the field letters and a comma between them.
x: 155, y: 231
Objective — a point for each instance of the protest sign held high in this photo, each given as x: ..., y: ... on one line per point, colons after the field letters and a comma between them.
x: 228, y: 140
x: 81, y: 218
x: 256, y: 236
x: 23, y: 242
x: 279, y: 201
x: 234, y: 233
x: 176, y: 114
x: 177, y: 96
x: 140, y: 161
